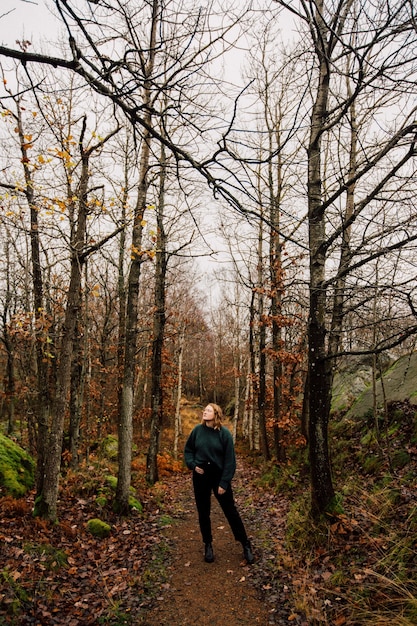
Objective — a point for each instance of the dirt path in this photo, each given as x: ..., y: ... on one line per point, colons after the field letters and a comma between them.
x: 227, y: 592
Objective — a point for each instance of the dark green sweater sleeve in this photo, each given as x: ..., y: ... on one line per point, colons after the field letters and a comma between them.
x: 189, y: 451
x: 229, y: 462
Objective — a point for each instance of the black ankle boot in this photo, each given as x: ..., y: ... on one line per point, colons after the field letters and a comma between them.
x: 247, y: 553
x: 208, y: 553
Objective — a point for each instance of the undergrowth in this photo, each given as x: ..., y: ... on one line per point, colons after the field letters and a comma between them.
x: 362, y: 568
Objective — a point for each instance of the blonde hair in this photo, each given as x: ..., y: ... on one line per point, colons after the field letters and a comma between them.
x: 218, y: 415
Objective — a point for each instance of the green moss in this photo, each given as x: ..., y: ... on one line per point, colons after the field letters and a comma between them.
x: 372, y: 464
x: 280, y: 478
x: 16, y: 468
x: 98, y: 528
x: 101, y: 500
x: 393, y: 429
x: 50, y: 557
x: 303, y: 533
x: 109, y: 447
x: 112, y: 482
x: 335, y: 506
x: 400, y: 459
x: 369, y: 438
x: 135, y: 504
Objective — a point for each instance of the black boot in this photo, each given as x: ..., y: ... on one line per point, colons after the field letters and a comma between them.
x: 247, y: 552
x: 208, y: 553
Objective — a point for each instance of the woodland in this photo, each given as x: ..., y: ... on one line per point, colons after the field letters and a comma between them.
x: 210, y: 202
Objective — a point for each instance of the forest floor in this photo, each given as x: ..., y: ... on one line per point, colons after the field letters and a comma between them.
x: 150, y: 571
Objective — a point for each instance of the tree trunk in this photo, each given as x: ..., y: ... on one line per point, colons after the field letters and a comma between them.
x: 253, y: 421
x: 177, y: 425
x: 261, y: 352
x: 237, y: 375
x: 42, y: 409
x: 158, y: 332
x: 125, y: 426
x: 319, y: 368
x: 275, y: 268
x: 46, y: 502
x: 10, y: 376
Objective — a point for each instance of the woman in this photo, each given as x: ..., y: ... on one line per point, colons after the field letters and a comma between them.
x: 210, y: 453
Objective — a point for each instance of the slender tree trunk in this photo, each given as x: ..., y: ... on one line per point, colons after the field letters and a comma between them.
x: 10, y: 377
x: 275, y: 268
x: 76, y: 394
x: 319, y: 368
x: 125, y: 426
x: 43, y: 408
x: 79, y: 376
x: 158, y: 332
x: 261, y: 352
x: 10, y: 382
x: 46, y: 503
x: 253, y: 422
x: 177, y: 425
x: 237, y: 375
x: 121, y: 291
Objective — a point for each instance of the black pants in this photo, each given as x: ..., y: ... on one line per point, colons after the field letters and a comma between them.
x: 204, y: 484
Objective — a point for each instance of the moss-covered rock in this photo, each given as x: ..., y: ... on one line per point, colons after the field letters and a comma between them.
x: 135, y: 504
x: 98, y: 528
x: 109, y: 447
x: 352, y: 377
x: 400, y: 385
x: 16, y: 468
x: 111, y: 482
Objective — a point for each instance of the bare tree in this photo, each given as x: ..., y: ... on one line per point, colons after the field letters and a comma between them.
x: 378, y: 41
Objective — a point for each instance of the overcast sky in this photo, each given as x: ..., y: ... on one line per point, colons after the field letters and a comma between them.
x: 30, y: 19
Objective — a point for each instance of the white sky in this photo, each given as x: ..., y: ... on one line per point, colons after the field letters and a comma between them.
x: 30, y: 20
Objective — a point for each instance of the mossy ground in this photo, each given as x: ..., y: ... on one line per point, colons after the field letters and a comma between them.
x: 16, y: 468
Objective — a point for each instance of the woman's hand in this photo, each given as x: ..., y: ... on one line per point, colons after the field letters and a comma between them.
x: 199, y: 470
x: 221, y: 491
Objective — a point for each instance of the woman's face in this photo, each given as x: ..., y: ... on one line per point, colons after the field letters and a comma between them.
x: 208, y: 413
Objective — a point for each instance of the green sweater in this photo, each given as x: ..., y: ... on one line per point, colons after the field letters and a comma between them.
x: 206, y: 444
